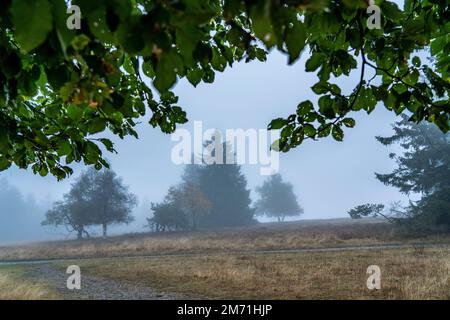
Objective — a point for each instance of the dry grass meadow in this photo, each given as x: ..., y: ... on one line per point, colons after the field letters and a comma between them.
x: 406, y: 274
x: 16, y: 285
x: 298, y: 235
x: 232, y: 264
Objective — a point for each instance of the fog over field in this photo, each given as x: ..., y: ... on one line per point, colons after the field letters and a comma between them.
x: 329, y: 177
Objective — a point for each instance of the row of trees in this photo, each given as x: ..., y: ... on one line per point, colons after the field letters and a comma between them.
x: 95, y: 198
x: 209, y: 196
x: 424, y: 170
x: 216, y: 195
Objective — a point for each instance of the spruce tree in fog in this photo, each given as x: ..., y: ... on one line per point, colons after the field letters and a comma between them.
x: 225, y: 187
x: 214, y: 195
x: 277, y: 199
x: 424, y: 169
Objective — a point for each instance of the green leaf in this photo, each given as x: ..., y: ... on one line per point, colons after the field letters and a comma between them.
x: 147, y: 68
x: 365, y: 100
x: 194, y: 76
x: 315, y: 61
x: 391, y: 11
x: 32, y: 21
x: 74, y: 112
x: 92, y: 152
x: 295, y: 40
x: 320, y: 87
x: 166, y: 71
x: 304, y: 108
x: 349, y: 122
x: 324, y: 130
x: 309, y: 130
x: 4, y: 141
x: 65, y: 35
x: 262, y: 24
x: 64, y: 148
x: 80, y: 42
x: 108, y: 144
x: 4, y: 163
x: 277, y: 124
x: 218, y: 61
x: 130, y: 35
x: 337, y: 133
x: 96, y: 125
x: 326, y: 107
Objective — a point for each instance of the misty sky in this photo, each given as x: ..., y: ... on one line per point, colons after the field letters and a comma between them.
x: 329, y: 177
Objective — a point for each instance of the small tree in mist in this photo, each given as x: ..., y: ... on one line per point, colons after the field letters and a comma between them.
x: 167, y: 216
x: 111, y: 202
x: 182, y: 207
x: 96, y: 198
x: 74, y: 212
x: 277, y: 199
x: 194, y: 203
x: 64, y: 214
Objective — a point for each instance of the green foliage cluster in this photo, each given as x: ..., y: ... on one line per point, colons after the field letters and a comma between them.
x: 60, y: 88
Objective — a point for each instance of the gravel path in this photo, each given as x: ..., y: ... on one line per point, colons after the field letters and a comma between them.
x: 96, y: 288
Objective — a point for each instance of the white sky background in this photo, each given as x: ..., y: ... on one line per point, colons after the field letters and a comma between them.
x: 329, y: 177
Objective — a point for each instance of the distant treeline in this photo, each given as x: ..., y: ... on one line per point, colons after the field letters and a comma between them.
x: 216, y: 195
x: 209, y: 196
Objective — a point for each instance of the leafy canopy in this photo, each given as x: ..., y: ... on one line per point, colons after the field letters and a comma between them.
x: 60, y: 88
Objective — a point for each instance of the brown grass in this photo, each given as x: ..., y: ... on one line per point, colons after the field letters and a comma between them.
x: 15, y: 285
x: 406, y: 274
x: 263, y: 237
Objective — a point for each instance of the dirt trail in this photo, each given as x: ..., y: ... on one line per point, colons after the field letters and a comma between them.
x: 96, y: 288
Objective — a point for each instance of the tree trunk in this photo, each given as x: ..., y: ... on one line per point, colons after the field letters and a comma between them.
x: 80, y: 234
x: 105, y: 227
